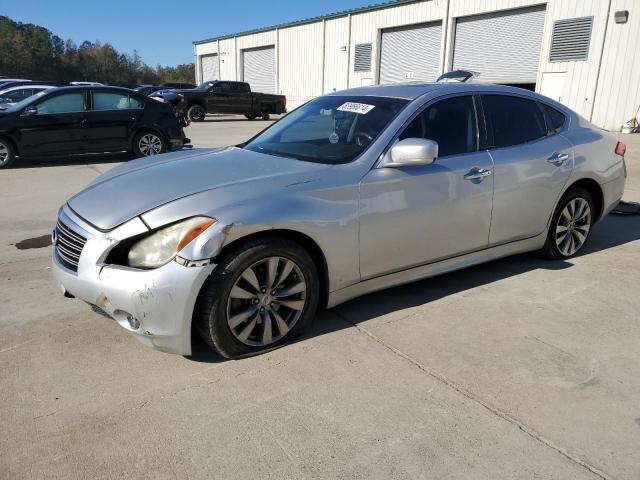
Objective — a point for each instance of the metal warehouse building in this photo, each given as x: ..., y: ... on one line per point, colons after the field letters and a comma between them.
x: 584, y: 53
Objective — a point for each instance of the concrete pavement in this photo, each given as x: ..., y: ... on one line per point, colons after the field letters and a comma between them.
x: 521, y: 368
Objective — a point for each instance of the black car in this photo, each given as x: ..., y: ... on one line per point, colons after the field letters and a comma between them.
x: 182, y: 86
x: 75, y: 120
x: 148, y: 89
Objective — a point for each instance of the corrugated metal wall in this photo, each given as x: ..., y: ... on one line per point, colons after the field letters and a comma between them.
x: 300, y: 64
x: 618, y: 92
x: 308, y: 66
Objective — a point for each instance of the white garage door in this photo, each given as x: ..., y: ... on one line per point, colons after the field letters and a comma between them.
x: 503, y: 47
x: 209, y: 67
x: 259, y: 69
x: 410, y: 53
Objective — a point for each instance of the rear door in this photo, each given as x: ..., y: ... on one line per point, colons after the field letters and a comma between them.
x: 532, y: 163
x: 241, y: 97
x: 110, y: 120
x: 56, y: 127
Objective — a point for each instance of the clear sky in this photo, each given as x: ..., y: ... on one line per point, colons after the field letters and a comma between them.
x: 162, y: 30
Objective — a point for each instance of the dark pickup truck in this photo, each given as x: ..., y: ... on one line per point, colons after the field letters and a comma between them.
x: 231, y: 97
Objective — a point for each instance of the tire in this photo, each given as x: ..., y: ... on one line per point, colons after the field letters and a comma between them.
x: 7, y: 154
x: 570, y: 225
x: 266, y: 116
x: 251, y: 116
x: 196, y: 113
x: 232, y: 316
x: 147, y: 143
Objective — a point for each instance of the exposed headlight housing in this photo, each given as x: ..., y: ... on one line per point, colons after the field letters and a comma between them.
x: 162, y: 246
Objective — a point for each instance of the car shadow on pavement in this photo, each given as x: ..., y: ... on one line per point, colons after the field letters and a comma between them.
x: 613, y: 231
x: 61, y: 161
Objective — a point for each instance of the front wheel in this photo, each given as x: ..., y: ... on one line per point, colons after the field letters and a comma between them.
x: 196, y: 113
x: 148, y: 143
x: 261, y: 295
x: 570, y: 225
x: 251, y: 116
x: 7, y: 155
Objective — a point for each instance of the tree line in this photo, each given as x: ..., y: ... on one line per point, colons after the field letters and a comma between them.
x: 33, y: 52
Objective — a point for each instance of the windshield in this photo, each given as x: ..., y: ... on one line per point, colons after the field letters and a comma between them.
x: 331, y: 130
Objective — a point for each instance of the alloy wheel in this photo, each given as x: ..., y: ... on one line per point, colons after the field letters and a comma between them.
x: 150, y: 144
x: 266, y: 301
x: 573, y: 225
x: 4, y: 153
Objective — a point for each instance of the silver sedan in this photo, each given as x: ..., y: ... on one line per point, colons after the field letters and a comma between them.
x: 353, y: 192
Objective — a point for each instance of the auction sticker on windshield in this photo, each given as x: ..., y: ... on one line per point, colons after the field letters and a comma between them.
x: 361, y: 108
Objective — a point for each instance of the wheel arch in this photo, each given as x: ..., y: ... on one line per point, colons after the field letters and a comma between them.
x: 13, y: 143
x: 594, y: 189
x: 148, y: 128
x: 302, y: 239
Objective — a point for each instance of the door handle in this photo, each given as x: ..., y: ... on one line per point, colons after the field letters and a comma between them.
x: 558, y: 158
x: 477, y: 174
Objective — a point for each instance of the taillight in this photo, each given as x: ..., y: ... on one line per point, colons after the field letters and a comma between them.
x: 621, y: 149
x: 284, y: 101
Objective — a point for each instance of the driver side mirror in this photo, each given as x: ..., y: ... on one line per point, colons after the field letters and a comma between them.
x: 27, y: 112
x: 411, y: 151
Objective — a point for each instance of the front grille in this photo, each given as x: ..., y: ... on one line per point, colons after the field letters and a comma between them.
x: 69, y: 246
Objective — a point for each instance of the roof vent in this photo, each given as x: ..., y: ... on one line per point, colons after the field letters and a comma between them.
x: 363, y: 58
x: 570, y: 40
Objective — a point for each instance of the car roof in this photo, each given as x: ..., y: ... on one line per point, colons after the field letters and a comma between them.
x: 72, y: 88
x: 413, y: 90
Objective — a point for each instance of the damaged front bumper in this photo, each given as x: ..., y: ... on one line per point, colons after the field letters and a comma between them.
x: 155, y: 305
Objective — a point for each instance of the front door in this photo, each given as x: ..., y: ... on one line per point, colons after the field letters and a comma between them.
x: 411, y: 216
x: 532, y: 163
x: 56, y: 127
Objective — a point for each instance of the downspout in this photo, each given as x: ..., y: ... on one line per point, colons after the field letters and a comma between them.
x: 446, y: 43
x: 278, y: 61
x: 349, y: 53
x: 324, y: 51
x: 235, y: 57
x: 604, y: 40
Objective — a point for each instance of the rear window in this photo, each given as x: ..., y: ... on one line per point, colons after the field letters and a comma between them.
x: 513, y: 120
x: 555, y: 119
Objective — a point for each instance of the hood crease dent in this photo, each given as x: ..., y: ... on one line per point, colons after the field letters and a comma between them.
x: 136, y: 187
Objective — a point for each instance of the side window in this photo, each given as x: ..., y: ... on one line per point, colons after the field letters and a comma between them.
x: 555, y: 119
x: 113, y: 101
x: 65, y: 103
x: 450, y: 122
x: 223, y: 87
x: 513, y: 120
x: 244, y: 87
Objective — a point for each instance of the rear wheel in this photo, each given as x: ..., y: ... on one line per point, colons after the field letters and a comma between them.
x: 265, y: 116
x: 196, y: 113
x: 7, y: 155
x: 147, y: 143
x: 261, y: 295
x: 570, y: 225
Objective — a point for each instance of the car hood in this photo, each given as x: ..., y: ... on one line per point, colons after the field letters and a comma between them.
x: 138, y: 186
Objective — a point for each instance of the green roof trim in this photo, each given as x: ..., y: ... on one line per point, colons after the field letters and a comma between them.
x: 368, y: 8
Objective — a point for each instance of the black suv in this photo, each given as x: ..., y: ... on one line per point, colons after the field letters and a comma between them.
x: 87, y: 119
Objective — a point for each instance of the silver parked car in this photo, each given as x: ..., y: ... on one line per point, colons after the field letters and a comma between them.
x: 353, y: 192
